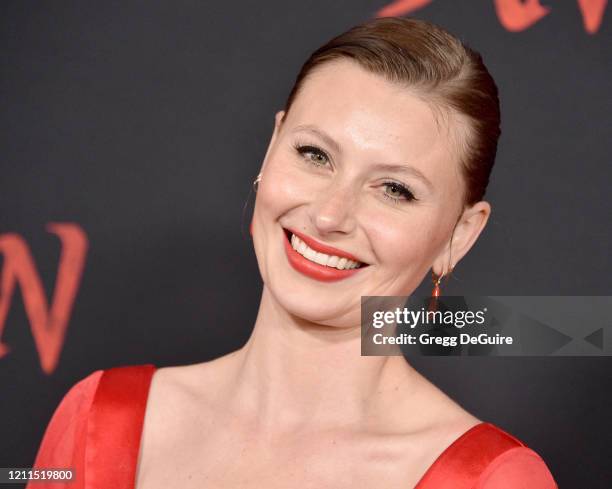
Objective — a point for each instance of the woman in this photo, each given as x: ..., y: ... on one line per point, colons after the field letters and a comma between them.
x: 374, y: 174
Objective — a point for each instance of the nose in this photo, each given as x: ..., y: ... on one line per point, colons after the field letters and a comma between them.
x: 333, y: 209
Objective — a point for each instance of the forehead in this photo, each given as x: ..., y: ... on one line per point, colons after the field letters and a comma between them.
x: 363, y: 110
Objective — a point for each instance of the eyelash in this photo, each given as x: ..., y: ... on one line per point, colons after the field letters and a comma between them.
x: 302, y: 149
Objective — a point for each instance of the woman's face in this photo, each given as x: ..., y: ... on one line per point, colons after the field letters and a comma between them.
x: 360, y: 165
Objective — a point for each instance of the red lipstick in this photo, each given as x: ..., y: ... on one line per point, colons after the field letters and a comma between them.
x: 314, y: 270
x: 328, y: 250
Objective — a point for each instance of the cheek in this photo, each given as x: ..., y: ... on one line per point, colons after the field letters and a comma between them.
x: 282, y: 187
x: 407, y: 241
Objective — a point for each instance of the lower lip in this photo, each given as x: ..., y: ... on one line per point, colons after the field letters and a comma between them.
x: 315, y: 270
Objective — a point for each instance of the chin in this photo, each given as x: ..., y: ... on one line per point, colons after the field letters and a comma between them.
x: 319, y: 307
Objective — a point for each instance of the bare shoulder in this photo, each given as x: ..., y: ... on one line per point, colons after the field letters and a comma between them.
x: 190, y: 379
x: 177, y: 387
x: 423, y: 422
x: 180, y: 399
x: 447, y: 415
x: 440, y: 421
x: 438, y: 413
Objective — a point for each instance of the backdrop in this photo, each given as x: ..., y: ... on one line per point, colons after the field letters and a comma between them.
x: 131, y: 133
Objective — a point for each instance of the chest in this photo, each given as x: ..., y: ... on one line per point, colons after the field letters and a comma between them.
x: 223, y: 459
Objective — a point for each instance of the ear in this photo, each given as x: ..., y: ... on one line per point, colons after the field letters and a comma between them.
x: 278, y: 122
x: 466, y: 232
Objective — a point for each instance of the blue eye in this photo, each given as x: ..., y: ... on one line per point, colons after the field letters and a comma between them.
x: 314, y: 155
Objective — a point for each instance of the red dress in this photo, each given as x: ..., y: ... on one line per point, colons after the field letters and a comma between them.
x: 96, y: 430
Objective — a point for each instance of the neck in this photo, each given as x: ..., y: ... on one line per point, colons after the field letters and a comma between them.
x: 293, y: 373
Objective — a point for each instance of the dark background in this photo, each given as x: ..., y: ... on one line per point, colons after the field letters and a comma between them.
x: 146, y: 123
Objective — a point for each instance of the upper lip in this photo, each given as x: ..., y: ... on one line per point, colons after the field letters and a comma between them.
x: 323, y: 248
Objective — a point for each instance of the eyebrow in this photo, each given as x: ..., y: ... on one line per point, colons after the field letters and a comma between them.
x: 407, y: 170
x: 323, y: 135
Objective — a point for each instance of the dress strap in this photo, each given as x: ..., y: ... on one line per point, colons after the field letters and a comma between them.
x: 114, y: 427
x: 463, y: 462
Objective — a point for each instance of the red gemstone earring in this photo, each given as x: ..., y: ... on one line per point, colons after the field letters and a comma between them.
x: 435, y: 293
x: 436, y: 280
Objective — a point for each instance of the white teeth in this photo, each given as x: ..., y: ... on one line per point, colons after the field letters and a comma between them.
x: 321, y: 258
x: 310, y: 254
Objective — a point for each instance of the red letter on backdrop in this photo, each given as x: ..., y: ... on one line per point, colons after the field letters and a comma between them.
x: 592, y: 13
x: 514, y: 15
x: 48, y: 325
x: 401, y: 7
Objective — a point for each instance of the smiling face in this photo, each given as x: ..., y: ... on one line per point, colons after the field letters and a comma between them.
x: 358, y: 169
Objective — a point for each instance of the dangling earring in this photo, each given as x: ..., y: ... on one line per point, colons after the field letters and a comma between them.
x: 436, y: 281
x: 436, y: 292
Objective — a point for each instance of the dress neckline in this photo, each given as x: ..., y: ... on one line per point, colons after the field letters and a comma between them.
x: 434, y: 465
